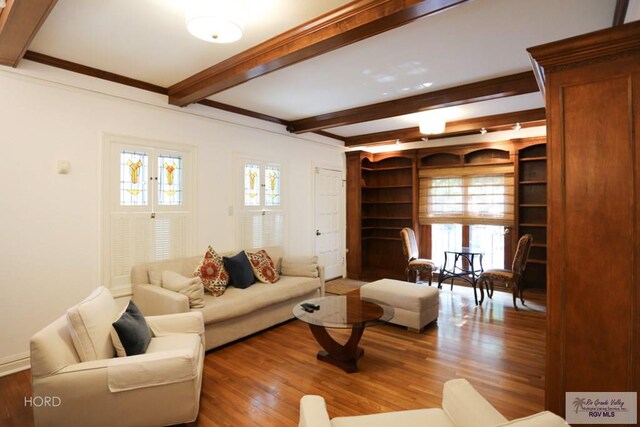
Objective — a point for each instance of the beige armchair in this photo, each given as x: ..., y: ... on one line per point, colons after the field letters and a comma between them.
x: 92, y: 387
x: 462, y: 406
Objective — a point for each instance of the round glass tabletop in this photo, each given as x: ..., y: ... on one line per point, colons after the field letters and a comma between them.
x: 344, y: 311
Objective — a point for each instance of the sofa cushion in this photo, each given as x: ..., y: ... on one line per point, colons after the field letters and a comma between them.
x: 212, y: 272
x: 192, y: 287
x: 238, y: 302
x: 306, y: 266
x: 131, y: 334
x: 89, y: 324
x: 416, y: 417
x: 263, y: 266
x: 240, y: 271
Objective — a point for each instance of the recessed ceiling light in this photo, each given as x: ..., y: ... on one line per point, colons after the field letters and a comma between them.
x: 427, y: 84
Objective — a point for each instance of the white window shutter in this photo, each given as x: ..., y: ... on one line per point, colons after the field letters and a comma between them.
x: 130, y: 236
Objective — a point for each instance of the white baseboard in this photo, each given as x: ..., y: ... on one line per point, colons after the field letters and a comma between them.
x: 14, y: 363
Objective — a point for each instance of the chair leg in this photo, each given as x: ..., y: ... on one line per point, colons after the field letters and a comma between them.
x: 406, y: 273
x: 514, y: 289
x: 520, y: 291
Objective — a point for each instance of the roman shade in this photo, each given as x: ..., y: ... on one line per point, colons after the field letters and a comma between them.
x: 467, y: 195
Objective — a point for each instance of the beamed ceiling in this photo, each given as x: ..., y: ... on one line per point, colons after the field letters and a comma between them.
x: 362, y: 72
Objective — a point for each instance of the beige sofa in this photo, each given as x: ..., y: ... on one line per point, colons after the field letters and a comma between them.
x: 160, y: 387
x: 238, y: 312
x: 462, y: 406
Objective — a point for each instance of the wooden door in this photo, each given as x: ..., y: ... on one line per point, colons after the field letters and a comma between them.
x: 329, y: 221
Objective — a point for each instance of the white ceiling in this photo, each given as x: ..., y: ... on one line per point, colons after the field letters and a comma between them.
x: 477, y: 40
x: 147, y: 39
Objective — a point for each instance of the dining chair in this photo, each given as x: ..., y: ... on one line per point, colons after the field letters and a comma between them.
x: 511, y: 277
x: 415, y: 264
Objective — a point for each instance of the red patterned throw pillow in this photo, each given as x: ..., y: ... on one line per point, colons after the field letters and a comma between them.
x: 212, y: 272
x: 263, y: 267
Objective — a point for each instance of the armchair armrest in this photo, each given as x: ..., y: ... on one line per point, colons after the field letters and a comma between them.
x: 153, y: 300
x: 179, y: 323
x: 152, y: 369
x: 466, y: 407
x: 313, y: 412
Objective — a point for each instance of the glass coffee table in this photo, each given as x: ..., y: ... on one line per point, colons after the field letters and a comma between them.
x: 343, y: 312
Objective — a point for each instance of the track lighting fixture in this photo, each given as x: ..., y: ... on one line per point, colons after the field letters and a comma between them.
x: 483, y: 131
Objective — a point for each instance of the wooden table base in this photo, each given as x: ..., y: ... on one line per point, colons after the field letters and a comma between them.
x: 343, y: 356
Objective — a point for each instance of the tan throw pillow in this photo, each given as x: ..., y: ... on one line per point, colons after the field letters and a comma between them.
x: 190, y: 286
x: 212, y: 272
x: 263, y: 267
x: 305, y: 266
x: 155, y: 276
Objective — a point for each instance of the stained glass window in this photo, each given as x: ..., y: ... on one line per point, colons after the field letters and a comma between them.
x: 134, y: 178
x: 251, y: 185
x: 272, y: 188
x: 169, y: 180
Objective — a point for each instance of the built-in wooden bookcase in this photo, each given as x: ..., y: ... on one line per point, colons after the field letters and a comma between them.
x: 532, y: 210
x: 386, y: 193
x: 382, y: 198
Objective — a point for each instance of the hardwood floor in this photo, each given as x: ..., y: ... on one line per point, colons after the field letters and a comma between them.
x: 259, y: 381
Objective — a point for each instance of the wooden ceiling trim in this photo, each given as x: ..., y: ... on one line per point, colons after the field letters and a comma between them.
x: 511, y: 85
x: 353, y: 22
x: 457, y: 128
x: 93, y: 72
x: 241, y: 111
x: 620, y: 12
x: 20, y: 20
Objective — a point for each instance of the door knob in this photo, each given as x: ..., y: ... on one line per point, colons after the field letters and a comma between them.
x: 318, y: 233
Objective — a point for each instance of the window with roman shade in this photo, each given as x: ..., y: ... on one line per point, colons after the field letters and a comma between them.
x: 467, y: 195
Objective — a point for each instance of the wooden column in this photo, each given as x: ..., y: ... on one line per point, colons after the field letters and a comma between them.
x: 354, y: 215
x: 593, y: 298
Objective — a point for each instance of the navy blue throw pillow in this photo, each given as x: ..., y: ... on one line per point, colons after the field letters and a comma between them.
x: 240, y: 271
x: 133, y: 331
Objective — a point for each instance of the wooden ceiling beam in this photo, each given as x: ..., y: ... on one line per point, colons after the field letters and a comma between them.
x: 620, y: 12
x: 500, y: 87
x: 456, y: 128
x: 353, y: 22
x: 20, y: 21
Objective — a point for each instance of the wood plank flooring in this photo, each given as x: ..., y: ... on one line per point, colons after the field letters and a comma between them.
x: 259, y: 380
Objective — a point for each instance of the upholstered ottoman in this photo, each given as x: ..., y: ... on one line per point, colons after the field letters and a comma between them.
x: 416, y: 305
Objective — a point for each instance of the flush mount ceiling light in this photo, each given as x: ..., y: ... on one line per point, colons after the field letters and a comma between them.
x: 432, y: 122
x: 214, y: 21
x: 432, y: 125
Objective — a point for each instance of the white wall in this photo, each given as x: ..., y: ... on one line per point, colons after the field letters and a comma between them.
x: 50, y: 223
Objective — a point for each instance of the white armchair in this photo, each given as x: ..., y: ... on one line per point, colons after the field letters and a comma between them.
x: 160, y: 387
x: 462, y: 406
